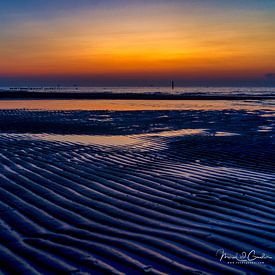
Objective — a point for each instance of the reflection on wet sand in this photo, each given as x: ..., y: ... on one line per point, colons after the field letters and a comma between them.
x: 105, y: 140
x: 164, y: 187
x: 131, y: 105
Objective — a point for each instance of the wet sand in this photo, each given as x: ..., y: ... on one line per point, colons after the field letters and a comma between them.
x: 134, y: 192
x: 137, y: 105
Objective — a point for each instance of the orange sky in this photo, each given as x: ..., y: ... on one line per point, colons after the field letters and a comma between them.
x: 163, y: 40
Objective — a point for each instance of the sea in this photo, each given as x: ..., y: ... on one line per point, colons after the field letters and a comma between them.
x: 256, y: 91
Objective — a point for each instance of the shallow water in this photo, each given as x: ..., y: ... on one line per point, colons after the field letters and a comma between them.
x: 135, y: 105
x: 104, y: 140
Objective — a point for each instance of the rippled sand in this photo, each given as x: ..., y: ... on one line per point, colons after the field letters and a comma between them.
x: 158, y: 192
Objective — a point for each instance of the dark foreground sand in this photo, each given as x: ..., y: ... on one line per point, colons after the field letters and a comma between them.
x: 154, y: 201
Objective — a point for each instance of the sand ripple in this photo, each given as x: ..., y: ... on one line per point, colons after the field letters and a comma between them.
x: 166, y: 208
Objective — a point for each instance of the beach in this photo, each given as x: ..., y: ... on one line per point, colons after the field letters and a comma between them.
x: 164, y: 187
x: 137, y: 137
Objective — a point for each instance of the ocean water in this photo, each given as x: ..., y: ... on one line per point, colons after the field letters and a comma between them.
x: 128, y: 105
x: 260, y: 91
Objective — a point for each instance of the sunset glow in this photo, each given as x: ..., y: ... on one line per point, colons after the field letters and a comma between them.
x: 185, y: 40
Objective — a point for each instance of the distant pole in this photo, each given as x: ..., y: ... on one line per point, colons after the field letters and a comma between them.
x: 172, y: 85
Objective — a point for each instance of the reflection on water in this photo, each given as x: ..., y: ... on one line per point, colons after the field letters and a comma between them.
x: 112, y: 140
x: 225, y: 134
x: 88, y: 139
x: 118, y: 140
x: 265, y: 128
x: 130, y: 105
x: 182, y: 132
x: 137, y: 140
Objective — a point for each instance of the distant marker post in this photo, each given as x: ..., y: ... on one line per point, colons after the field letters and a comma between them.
x: 172, y: 85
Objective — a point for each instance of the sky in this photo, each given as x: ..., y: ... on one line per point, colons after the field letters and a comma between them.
x: 145, y: 42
